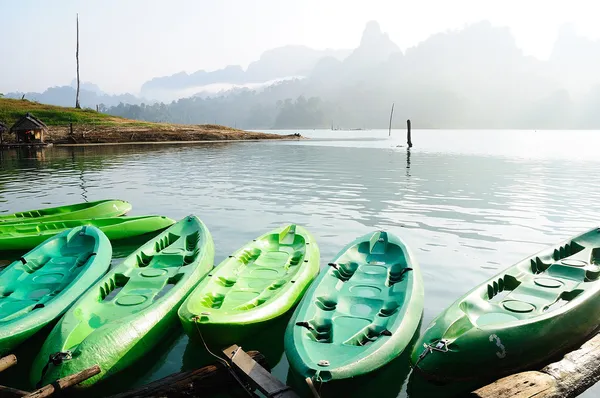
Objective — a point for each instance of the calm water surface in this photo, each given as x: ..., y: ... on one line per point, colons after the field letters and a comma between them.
x: 469, y: 203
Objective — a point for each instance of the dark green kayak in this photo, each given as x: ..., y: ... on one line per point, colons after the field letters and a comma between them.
x: 360, y: 314
x: 129, y: 311
x: 258, y: 283
x: 539, y: 308
x: 38, y: 288
x: 23, y: 236
x: 100, y: 208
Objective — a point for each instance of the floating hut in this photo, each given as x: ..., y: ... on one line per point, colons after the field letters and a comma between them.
x: 29, y: 130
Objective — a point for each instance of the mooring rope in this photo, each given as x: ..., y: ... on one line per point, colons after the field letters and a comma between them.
x: 222, y: 361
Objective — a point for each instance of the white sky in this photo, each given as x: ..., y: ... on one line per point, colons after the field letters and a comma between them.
x: 123, y: 43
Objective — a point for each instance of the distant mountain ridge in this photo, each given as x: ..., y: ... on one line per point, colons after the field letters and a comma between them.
x: 473, y: 77
x: 273, y: 64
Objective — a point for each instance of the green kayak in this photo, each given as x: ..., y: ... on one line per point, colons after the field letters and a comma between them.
x: 539, y: 308
x: 360, y: 314
x: 100, y: 208
x: 260, y: 282
x: 23, y: 236
x: 41, y: 285
x: 129, y: 311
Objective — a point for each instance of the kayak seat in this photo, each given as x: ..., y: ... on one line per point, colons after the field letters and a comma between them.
x: 226, y: 281
x: 165, y: 241
x: 294, y: 259
x: 34, y: 264
x: 320, y: 329
x: 249, y: 255
x: 345, y: 271
x: 326, y: 303
x: 212, y: 300
x: 567, y: 250
x: 396, y: 274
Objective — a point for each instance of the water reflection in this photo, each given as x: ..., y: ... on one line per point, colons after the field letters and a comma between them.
x: 466, y: 216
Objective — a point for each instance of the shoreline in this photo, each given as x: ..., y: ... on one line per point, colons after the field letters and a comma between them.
x: 176, y: 142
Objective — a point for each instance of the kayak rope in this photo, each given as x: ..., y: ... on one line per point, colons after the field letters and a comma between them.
x: 221, y: 360
x: 56, y: 359
x: 440, y: 346
x: 311, y: 386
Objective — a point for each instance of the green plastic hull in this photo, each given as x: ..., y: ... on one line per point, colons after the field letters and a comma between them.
x: 131, y: 309
x: 100, y: 208
x: 23, y: 236
x: 257, y: 284
x: 360, y: 314
x: 44, y: 283
x: 539, y: 308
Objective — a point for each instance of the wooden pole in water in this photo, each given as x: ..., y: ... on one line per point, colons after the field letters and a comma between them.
x: 391, y: 114
x: 205, y: 381
x: 65, y: 382
x: 77, y: 58
x: 408, y: 139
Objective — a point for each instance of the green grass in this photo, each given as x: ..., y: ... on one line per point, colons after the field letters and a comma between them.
x: 12, y: 110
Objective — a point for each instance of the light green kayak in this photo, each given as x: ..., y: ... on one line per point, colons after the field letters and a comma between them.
x: 540, y: 308
x: 23, y: 236
x: 39, y: 287
x: 258, y: 283
x: 100, y: 208
x: 129, y: 311
x: 360, y: 314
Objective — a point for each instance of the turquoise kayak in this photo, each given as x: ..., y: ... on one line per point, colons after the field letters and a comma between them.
x: 100, y: 208
x: 257, y: 284
x: 542, y: 307
x: 360, y: 314
x: 130, y: 310
x: 23, y: 236
x: 39, y: 287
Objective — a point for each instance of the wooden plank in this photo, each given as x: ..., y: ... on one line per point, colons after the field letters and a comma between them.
x: 65, y: 382
x: 7, y: 361
x: 258, y: 376
x: 569, y: 377
x: 199, y: 382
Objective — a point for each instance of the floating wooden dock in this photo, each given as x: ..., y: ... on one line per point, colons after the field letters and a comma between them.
x: 569, y: 377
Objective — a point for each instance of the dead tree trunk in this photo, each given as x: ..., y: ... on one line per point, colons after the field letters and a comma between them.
x: 391, y: 115
x: 77, y: 58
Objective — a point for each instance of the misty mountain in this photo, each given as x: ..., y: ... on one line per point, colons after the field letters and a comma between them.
x: 273, y: 64
x: 90, y: 95
x: 474, y: 77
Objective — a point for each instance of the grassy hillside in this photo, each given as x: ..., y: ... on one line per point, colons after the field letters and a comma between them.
x: 91, y: 127
x: 12, y: 109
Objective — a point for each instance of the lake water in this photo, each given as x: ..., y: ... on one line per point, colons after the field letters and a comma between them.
x: 469, y: 203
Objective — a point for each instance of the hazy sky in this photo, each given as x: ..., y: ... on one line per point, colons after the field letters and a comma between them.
x: 124, y: 43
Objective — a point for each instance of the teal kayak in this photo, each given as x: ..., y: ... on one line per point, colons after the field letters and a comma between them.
x: 360, y: 314
x: 100, y: 208
x: 39, y: 287
x: 129, y: 311
x: 23, y: 236
x: 258, y: 283
x: 539, y: 308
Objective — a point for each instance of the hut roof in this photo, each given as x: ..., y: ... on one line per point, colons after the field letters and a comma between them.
x: 28, y: 122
